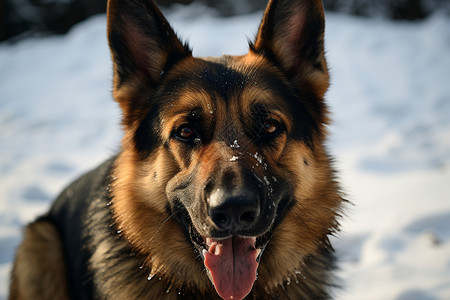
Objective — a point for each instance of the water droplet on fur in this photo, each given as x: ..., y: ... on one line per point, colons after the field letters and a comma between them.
x: 150, y: 276
x: 159, y: 278
x: 210, y: 109
x: 168, y: 290
x: 235, y: 144
x: 297, y: 272
x: 258, y: 157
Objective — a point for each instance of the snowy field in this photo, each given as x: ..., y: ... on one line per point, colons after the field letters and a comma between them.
x: 390, y: 101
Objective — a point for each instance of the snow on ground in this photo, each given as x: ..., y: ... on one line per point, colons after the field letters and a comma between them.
x: 390, y: 101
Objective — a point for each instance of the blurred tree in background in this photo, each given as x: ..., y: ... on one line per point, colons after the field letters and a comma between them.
x: 393, y: 9
x: 19, y: 18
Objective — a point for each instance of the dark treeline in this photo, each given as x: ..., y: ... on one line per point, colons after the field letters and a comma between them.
x: 20, y: 18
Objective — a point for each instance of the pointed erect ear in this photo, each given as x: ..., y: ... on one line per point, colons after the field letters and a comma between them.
x: 142, y: 43
x: 292, y: 34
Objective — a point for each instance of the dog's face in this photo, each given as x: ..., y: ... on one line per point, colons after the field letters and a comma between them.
x: 223, y: 153
x: 227, y: 137
x: 224, y: 146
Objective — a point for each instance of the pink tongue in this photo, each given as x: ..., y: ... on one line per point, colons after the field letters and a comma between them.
x: 232, y: 264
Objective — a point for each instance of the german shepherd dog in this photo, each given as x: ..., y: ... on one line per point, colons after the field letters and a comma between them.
x: 222, y: 187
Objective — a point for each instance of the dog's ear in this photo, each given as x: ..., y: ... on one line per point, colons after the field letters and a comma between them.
x: 141, y: 40
x: 143, y: 47
x: 292, y: 34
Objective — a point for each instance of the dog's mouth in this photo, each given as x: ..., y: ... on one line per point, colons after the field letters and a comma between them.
x: 231, y: 262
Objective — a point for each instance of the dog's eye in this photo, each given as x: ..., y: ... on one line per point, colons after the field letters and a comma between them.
x: 271, y: 127
x: 186, y: 133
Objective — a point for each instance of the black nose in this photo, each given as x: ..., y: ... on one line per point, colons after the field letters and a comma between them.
x: 234, y: 213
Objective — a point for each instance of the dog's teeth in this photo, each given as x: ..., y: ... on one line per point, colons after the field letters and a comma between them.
x: 213, y: 249
x: 258, y: 253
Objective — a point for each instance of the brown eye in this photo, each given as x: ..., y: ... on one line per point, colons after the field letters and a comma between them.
x: 271, y: 126
x: 186, y: 132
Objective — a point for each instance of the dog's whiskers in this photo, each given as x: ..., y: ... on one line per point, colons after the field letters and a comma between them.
x: 163, y: 221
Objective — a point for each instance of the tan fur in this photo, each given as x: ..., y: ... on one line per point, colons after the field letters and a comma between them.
x: 39, y: 271
x: 142, y: 218
x: 301, y: 232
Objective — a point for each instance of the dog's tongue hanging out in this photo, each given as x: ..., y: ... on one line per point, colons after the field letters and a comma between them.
x: 232, y: 265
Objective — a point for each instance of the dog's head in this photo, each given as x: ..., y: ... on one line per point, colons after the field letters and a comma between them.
x: 225, y: 151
